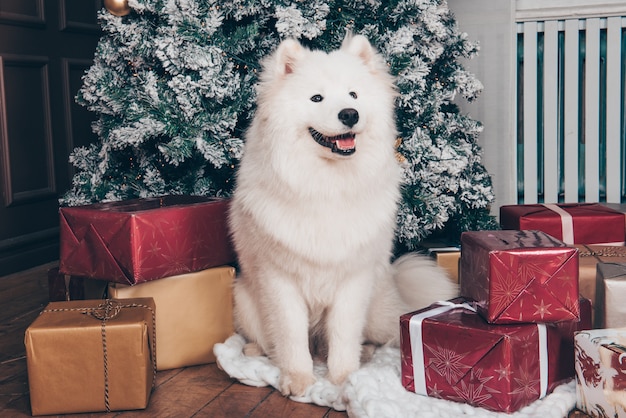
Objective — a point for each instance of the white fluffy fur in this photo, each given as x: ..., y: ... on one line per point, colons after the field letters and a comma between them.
x: 313, y: 229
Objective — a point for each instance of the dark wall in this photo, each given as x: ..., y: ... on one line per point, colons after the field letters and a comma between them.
x: 45, y: 47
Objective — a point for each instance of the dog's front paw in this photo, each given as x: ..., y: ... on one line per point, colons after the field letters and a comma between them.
x: 295, y: 383
x: 253, y: 350
x: 341, y: 363
x: 338, y: 377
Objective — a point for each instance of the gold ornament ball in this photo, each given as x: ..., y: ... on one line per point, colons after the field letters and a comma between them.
x: 117, y: 7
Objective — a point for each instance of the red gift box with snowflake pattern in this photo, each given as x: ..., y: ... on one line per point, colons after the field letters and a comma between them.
x: 144, y: 239
x: 601, y: 372
x: 449, y: 351
x: 573, y: 223
x: 520, y: 276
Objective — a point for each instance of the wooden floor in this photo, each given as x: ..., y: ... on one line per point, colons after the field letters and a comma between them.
x: 199, y: 391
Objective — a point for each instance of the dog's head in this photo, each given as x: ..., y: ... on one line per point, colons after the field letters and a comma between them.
x: 328, y: 100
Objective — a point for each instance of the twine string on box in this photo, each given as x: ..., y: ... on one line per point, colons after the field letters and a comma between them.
x: 105, y: 311
x: 606, y: 251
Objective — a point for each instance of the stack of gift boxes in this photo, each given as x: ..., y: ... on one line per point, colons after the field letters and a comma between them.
x: 143, y: 285
x: 542, y: 301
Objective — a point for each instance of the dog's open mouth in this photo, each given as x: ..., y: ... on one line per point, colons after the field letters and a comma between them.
x: 344, y: 144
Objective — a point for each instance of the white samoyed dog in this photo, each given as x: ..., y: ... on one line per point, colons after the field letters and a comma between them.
x: 314, y: 212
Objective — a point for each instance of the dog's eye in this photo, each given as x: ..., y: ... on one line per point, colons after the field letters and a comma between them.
x: 317, y: 98
x: 353, y: 95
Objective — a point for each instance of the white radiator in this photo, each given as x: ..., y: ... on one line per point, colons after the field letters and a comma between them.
x: 570, y: 110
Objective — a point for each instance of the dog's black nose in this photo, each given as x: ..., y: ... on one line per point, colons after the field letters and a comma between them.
x: 349, y: 117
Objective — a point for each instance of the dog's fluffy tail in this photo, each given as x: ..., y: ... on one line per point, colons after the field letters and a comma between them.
x: 416, y: 281
x: 420, y: 281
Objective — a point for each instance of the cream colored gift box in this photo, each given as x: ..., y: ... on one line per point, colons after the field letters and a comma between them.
x: 194, y: 311
x: 610, y: 311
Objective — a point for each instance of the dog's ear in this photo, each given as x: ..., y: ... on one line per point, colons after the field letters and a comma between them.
x: 286, y: 57
x: 359, y: 46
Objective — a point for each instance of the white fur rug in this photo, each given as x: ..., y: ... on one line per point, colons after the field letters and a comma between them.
x: 375, y: 389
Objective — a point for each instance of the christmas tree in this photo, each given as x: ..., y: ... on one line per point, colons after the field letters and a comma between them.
x: 173, y: 84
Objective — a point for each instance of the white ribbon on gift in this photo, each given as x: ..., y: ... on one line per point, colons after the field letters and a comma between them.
x: 543, y: 360
x: 417, y: 347
x: 567, y: 223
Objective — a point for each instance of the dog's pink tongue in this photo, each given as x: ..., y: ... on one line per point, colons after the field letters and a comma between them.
x: 346, y: 143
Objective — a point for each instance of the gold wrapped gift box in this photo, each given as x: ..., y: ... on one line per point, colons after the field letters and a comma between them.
x: 194, y: 312
x: 448, y: 259
x: 589, y: 257
x: 90, y: 356
x: 445, y: 254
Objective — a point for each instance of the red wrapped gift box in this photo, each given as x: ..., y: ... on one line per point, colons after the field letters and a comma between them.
x: 601, y: 372
x: 144, y: 239
x: 576, y: 223
x: 448, y: 351
x: 520, y: 276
